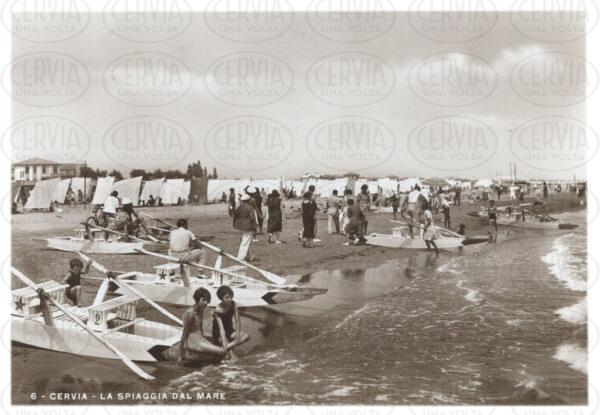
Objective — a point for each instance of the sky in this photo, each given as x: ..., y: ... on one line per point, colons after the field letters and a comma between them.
x: 401, y: 101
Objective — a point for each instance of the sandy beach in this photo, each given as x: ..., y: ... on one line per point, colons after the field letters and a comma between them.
x: 356, y: 276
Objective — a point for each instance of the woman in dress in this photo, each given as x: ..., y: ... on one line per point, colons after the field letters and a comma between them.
x: 309, y: 208
x: 274, y: 221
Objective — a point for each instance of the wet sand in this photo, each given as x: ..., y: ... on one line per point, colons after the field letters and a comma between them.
x: 352, y: 275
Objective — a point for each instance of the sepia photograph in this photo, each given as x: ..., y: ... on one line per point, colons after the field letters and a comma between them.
x: 325, y: 203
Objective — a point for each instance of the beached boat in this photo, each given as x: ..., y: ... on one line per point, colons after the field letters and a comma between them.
x: 169, y: 285
x: 98, y: 245
x: 532, y: 223
x: 400, y: 238
x: 106, y: 329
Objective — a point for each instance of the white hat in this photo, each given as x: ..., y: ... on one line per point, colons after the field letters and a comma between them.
x: 126, y: 201
x: 251, y: 189
x: 245, y: 197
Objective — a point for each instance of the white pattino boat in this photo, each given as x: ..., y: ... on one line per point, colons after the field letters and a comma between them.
x: 98, y: 245
x: 400, y: 238
x: 167, y: 285
x: 114, y: 320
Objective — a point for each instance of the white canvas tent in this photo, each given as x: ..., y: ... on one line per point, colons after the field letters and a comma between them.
x: 387, y: 186
x: 41, y: 195
x: 336, y: 184
x: 82, y: 183
x: 151, y: 187
x: 174, y: 189
x: 407, y: 184
x: 129, y: 188
x: 483, y: 183
x: 103, y: 189
x: 60, y: 191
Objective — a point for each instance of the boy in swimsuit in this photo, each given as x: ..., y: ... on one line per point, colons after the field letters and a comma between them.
x: 224, y: 333
x: 73, y: 280
x: 492, y: 215
x: 192, y: 337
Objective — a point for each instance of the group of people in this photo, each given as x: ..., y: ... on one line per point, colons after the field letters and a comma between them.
x: 120, y: 216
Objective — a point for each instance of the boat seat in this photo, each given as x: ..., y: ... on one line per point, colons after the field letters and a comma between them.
x: 122, y: 307
x: 26, y: 301
x: 80, y: 313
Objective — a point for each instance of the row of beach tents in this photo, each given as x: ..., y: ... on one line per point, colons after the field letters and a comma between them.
x: 174, y: 191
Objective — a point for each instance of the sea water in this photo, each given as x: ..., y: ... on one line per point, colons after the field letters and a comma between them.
x: 503, y: 324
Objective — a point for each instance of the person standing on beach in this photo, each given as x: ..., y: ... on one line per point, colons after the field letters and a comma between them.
x: 429, y: 231
x: 446, y: 212
x: 492, y: 215
x: 395, y: 204
x: 245, y: 221
x: 412, y: 205
x: 256, y: 202
x: 545, y: 187
x: 309, y: 209
x: 275, y: 218
x: 363, y: 200
x: 333, y: 212
x: 355, y: 220
x: 231, y: 201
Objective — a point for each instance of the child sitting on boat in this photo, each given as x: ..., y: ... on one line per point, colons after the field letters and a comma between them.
x: 224, y: 332
x: 73, y: 280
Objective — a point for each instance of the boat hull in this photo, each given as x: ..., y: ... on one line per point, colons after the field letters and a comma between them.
x: 390, y: 241
x: 533, y: 224
x: 67, y: 337
x: 246, y: 295
x: 99, y: 246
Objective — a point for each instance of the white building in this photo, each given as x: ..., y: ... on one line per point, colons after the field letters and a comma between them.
x: 36, y: 169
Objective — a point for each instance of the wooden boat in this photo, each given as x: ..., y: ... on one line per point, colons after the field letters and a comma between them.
x: 532, y: 223
x: 106, y: 329
x: 169, y: 285
x: 98, y: 244
x: 400, y: 238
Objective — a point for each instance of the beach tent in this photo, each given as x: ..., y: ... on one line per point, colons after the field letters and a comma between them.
x: 82, y: 183
x: 151, y: 187
x: 174, y: 189
x: 41, y: 195
x: 60, y: 192
x: 15, y: 189
x: 129, y: 188
x: 387, y: 186
x: 453, y: 182
x: 372, y: 184
x: 199, y: 187
x: 336, y: 184
x: 268, y: 184
x: 407, y: 184
x: 465, y: 185
x: 216, y: 187
x: 103, y: 189
x: 483, y: 183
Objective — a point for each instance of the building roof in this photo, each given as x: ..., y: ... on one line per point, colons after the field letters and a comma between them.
x: 36, y: 162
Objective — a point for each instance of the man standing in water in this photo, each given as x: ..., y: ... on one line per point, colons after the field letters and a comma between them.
x: 192, y: 337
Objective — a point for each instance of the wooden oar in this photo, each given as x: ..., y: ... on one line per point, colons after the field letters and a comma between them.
x: 126, y: 286
x: 268, y: 275
x: 121, y: 233
x: 194, y: 264
x: 84, y: 326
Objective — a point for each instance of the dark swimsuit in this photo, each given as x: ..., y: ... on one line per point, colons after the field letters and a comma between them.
x: 72, y: 282
x: 227, y: 319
